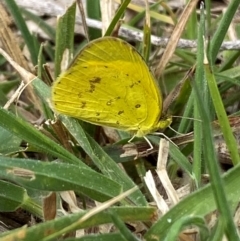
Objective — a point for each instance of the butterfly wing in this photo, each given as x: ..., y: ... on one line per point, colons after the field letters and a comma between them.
x: 109, y: 84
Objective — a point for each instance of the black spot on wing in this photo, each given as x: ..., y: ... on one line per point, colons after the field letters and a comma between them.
x: 120, y: 112
x: 135, y: 83
x: 93, y: 82
x: 137, y: 106
x: 83, y: 104
x: 92, y: 88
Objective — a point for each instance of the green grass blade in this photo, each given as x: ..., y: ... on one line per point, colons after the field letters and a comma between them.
x: 222, y: 29
x: 199, y: 79
x: 25, y: 131
x: 100, y: 158
x: 117, y: 16
x: 53, y: 176
x: 64, y: 38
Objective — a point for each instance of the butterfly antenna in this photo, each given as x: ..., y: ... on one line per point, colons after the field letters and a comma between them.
x: 181, y: 134
x: 189, y: 118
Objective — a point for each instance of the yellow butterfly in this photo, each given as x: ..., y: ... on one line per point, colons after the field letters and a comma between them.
x: 109, y: 84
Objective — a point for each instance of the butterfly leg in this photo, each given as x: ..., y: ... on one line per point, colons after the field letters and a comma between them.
x: 146, y: 139
x: 161, y: 134
x: 148, y: 151
x: 149, y: 143
x: 130, y: 140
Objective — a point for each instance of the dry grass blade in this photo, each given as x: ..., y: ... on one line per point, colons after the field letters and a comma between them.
x: 10, y: 45
x: 162, y: 172
x: 175, y: 36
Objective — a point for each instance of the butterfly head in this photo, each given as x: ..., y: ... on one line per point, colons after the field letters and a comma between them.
x: 162, y: 124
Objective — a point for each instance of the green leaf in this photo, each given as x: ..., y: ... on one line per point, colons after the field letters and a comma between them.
x: 52, y: 176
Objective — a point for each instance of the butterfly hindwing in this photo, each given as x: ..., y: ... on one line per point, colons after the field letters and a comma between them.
x: 109, y: 84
